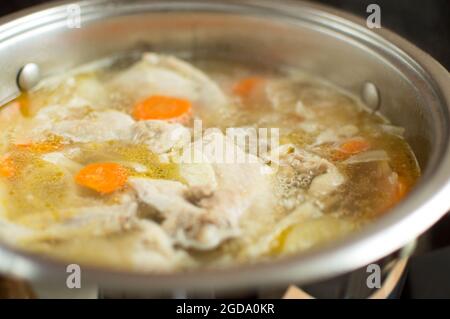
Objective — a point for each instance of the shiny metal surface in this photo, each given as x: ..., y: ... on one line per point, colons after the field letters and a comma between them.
x: 28, y: 77
x: 370, y: 95
x: 414, y: 92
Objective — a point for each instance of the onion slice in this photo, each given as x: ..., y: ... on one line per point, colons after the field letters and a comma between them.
x: 369, y: 156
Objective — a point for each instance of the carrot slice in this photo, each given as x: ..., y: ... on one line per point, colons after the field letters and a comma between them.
x: 7, y: 167
x: 354, y: 146
x: 247, y: 86
x: 398, y: 193
x: 102, y: 177
x: 39, y: 147
x: 401, y: 189
x: 158, y: 107
x: 53, y: 143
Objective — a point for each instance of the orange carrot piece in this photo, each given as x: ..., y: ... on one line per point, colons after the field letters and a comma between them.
x: 102, y: 177
x: 246, y: 86
x: 354, y: 146
x: 43, y: 147
x: 401, y: 189
x: 7, y: 167
x: 53, y: 143
x: 399, y: 192
x: 158, y: 107
x: 336, y: 155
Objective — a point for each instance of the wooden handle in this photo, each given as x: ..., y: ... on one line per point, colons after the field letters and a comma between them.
x: 15, y: 289
x: 294, y: 292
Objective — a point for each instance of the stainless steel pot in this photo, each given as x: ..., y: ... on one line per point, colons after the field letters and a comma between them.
x: 414, y: 91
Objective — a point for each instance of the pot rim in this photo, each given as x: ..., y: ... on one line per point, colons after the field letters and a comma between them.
x: 423, y: 207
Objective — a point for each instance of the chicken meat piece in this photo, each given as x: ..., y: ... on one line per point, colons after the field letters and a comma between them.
x: 95, y: 127
x: 301, y: 174
x: 242, y: 178
x: 61, y: 160
x: 301, y: 96
x: 78, y: 125
x: 190, y: 225
x: 40, y: 126
x: 98, y: 220
x: 12, y: 233
x: 153, y: 249
x: 143, y: 244
x: 268, y: 240
x: 203, y: 216
x: 76, y: 108
x: 160, y: 136
x: 157, y: 74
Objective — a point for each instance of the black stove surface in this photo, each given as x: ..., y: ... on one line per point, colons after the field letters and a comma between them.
x: 427, y: 25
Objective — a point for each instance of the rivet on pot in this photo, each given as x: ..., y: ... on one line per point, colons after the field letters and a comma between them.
x: 371, y: 96
x: 28, y: 76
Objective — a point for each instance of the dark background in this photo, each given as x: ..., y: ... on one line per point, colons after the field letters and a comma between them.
x: 426, y: 23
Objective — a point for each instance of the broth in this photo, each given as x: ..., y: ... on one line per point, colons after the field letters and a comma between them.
x: 93, y: 165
